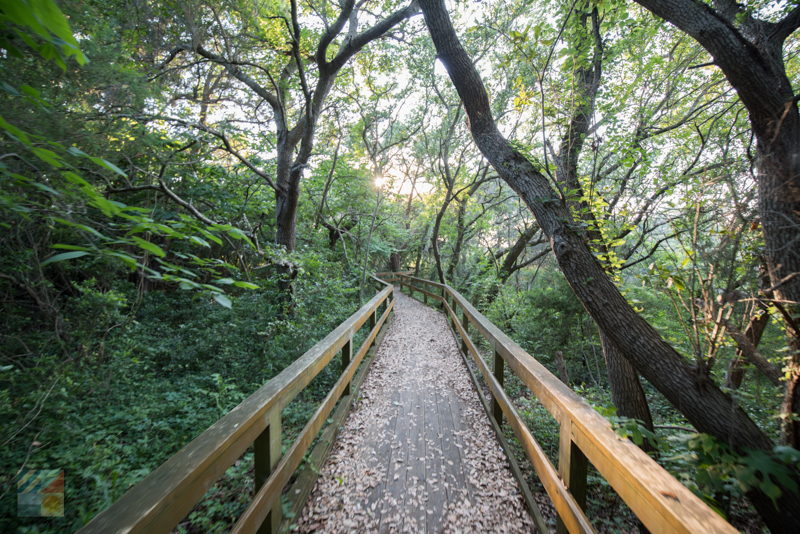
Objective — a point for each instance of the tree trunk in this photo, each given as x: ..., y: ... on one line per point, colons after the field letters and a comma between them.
x: 626, y: 390
x: 750, y: 54
x: 561, y: 366
x: 285, y: 217
x: 394, y: 262
x: 287, y: 189
x: 746, y: 350
x: 437, y: 224
x: 460, y: 230
x: 693, y: 393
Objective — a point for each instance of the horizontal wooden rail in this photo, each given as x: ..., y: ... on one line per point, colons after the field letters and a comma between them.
x: 165, y: 496
x: 661, y: 502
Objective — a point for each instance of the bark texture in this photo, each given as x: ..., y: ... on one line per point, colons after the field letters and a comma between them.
x: 693, y: 393
x: 626, y: 390
x: 749, y: 52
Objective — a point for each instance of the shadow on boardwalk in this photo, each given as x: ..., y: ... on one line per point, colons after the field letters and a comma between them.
x: 417, y: 453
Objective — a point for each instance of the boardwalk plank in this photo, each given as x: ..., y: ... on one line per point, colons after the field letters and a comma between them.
x: 412, y: 432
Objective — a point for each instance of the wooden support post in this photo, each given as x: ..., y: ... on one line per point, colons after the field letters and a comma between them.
x: 372, y: 321
x: 425, y: 298
x: 347, y: 355
x: 465, y: 324
x: 266, y: 453
x: 572, y: 467
x: 499, y: 374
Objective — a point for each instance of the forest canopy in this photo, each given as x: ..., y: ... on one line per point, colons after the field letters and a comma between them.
x: 194, y: 192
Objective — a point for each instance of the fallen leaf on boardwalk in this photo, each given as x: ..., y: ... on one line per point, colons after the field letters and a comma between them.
x: 458, y: 479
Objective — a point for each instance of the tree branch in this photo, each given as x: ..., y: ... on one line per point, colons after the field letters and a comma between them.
x: 786, y: 26
x: 162, y: 187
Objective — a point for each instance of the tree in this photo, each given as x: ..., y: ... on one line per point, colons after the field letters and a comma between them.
x: 626, y: 390
x: 293, y: 80
x: 749, y: 51
x: 693, y: 393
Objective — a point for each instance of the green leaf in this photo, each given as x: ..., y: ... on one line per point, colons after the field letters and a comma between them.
x: 46, y: 188
x: 30, y: 91
x: 246, y: 285
x: 199, y: 241
x: 62, y: 246
x: 225, y: 281
x: 64, y: 256
x: 130, y: 261
x: 222, y: 300
x: 15, y: 132
x: 48, y: 156
x: 148, y: 246
x: 108, y: 165
x: 80, y: 227
x: 77, y: 180
x: 211, y: 237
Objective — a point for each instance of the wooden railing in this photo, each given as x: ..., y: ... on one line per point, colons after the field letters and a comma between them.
x: 660, y: 502
x: 165, y: 496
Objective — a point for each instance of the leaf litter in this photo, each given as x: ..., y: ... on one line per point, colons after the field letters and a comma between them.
x: 417, y: 453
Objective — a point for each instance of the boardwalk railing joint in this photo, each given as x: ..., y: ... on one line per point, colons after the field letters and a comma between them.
x: 660, y: 502
x: 168, y: 494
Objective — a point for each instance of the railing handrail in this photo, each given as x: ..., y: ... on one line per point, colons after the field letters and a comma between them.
x: 660, y: 501
x: 160, y: 500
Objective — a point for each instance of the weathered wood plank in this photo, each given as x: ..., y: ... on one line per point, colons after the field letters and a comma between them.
x: 266, y: 453
x: 500, y: 376
x: 527, y: 495
x: 563, y: 501
x: 164, y: 497
x: 255, y: 514
x: 572, y: 466
x: 306, y: 477
x: 658, y: 499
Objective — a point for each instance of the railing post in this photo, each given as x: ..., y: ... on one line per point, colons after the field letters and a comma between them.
x: 347, y: 354
x: 499, y: 374
x: 465, y: 324
x: 266, y: 453
x: 573, y: 467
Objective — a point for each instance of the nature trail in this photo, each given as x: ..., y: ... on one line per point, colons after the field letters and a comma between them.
x: 417, y: 453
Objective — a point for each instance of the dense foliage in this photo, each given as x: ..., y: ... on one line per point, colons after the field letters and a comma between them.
x: 192, y: 193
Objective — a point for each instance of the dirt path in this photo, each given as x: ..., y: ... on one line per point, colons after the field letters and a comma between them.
x: 417, y: 453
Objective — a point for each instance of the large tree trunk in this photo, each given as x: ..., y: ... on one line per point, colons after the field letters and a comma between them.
x: 750, y: 54
x: 285, y: 217
x: 460, y: 230
x: 626, y: 390
x: 692, y: 392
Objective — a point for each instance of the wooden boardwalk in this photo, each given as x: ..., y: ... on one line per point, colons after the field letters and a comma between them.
x: 417, y: 453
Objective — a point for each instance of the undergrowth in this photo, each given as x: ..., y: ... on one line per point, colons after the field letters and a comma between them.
x: 140, y: 375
